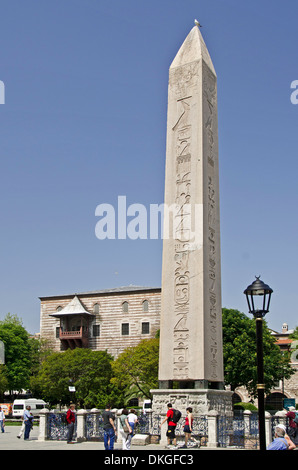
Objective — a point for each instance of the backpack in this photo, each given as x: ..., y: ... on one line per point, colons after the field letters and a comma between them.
x: 176, y: 416
x: 296, y: 418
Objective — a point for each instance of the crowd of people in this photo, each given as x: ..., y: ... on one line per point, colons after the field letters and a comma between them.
x: 129, y: 421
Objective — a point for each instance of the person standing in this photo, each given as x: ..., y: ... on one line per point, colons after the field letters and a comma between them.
x: 28, y: 421
x: 70, y: 419
x: 2, y: 420
x: 109, y: 428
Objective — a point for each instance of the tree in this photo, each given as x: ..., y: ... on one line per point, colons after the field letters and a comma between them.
x: 40, y: 350
x: 294, y: 335
x: 136, y: 369
x: 240, y: 356
x: 294, y: 345
x: 3, y: 380
x: 88, y: 371
x: 17, y: 352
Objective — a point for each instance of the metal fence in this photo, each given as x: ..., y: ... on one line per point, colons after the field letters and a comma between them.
x: 240, y: 430
x: 57, y: 427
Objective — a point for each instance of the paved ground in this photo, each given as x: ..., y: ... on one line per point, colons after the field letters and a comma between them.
x: 137, y: 458
x: 9, y: 441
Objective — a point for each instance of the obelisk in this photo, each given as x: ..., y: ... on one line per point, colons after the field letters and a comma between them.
x: 191, y: 354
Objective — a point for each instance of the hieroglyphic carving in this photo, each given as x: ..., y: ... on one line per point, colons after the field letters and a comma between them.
x: 182, y: 233
x: 183, y: 78
x: 210, y: 105
x: 181, y: 84
x: 210, y: 122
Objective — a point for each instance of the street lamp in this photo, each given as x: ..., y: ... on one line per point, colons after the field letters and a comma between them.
x: 258, y: 296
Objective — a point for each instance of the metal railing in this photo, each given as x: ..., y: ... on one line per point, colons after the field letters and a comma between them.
x: 237, y: 431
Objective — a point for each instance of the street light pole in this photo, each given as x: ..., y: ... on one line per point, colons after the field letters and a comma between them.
x: 258, y: 288
x: 260, y: 384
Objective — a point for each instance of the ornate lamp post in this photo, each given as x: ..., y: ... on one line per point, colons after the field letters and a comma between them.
x: 258, y: 296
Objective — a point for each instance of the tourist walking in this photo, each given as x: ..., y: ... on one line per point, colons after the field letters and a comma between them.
x: 133, y: 420
x: 70, y: 419
x: 2, y: 420
x: 125, y: 429
x: 22, y: 429
x: 188, y: 425
x: 23, y: 425
x: 172, y: 423
x: 109, y: 428
x: 28, y: 421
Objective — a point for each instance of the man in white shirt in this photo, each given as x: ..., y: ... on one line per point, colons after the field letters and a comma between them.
x: 132, y: 420
x: 28, y: 420
x: 2, y: 419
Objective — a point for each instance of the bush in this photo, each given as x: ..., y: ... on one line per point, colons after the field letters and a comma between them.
x: 245, y: 406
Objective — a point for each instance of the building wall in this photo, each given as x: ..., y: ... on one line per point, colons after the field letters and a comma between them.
x: 110, y: 318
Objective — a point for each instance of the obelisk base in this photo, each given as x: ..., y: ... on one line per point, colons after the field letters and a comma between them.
x: 202, y: 402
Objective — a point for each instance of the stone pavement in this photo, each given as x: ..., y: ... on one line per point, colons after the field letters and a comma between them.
x: 9, y: 441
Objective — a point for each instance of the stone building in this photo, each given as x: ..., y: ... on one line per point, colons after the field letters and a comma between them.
x: 111, y: 319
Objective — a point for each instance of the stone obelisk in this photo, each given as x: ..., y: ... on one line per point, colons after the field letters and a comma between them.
x: 191, y: 354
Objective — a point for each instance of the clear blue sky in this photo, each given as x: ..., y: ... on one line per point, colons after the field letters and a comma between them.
x: 84, y: 121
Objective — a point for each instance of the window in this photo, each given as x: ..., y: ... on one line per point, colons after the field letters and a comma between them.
x: 125, y: 329
x: 145, y: 306
x: 145, y: 328
x: 58, y: 309
x: 57, y: 332
x: 96, y: 308
x: 125, y: 307
x: 133, y: 402
x: 96, y: 330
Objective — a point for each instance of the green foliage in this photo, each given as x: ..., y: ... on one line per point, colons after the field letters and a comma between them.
x: 245, y: 406
x: 17, y: 352
x: 136, y: 369
x: 294, y: 335
x: 88, y: 371
x: 294, y: 345
x: 3, y: 380
x: 240, y: 353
